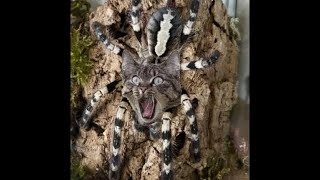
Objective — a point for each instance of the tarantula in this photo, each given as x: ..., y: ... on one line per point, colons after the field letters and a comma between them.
x: 151, y: 80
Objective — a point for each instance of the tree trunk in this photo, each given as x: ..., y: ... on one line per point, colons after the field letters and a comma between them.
x: 214, y: 87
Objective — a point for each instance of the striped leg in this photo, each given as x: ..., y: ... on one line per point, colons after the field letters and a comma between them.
x: 135, y: 18
x: 195, y: 144
x: 202, y: 63
x: 103, y: 38
x: 188, y: 26
x: 166, y: 173
x: 116, y: 141
x: 137, y: 29
x: 84, y: 122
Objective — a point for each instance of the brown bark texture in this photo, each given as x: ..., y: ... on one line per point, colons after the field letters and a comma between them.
x: 214, y: 87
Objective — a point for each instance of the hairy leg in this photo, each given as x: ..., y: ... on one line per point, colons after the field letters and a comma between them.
x: 166, y: 173
x: 138, y: 29
x: 189, y: 110
x: 188, y: 26
x: 202, y: 63
x: 85, y: 119
x: 104, y: 39
x: 135, y: 19
x: 116, y: 141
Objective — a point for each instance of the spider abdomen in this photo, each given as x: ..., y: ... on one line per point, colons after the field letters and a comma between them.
x: 164, y: 30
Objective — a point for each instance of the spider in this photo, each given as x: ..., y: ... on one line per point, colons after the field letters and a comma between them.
x: 151, y: 81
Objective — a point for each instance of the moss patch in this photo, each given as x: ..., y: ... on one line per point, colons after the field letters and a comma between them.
x: 77, y: 171
x: 81, y: 41
x: 224, y: 163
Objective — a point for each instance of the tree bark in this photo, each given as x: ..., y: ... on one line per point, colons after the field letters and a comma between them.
x: 214, y: 87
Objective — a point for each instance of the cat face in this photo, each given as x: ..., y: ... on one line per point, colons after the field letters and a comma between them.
x: 151, y: 88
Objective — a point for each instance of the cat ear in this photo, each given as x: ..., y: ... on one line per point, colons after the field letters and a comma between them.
x: 128, y: 60
x: 172, y: 64
x: 129, y: 65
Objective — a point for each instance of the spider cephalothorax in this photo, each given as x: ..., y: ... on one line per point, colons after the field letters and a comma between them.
x: 151, y: 81
x: 151, y: 88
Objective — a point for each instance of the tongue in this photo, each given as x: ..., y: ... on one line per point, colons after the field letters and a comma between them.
x: 147, y: 106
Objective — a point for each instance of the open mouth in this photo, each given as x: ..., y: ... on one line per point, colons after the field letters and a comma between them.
x: 147, y: 106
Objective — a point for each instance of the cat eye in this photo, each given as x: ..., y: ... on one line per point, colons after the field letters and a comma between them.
x: 136, y: 80
x: 157, y: 80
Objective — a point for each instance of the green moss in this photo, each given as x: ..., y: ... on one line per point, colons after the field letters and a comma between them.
x: 81, y: 41
x: 80, y: 63
x: 77, y: 171
x: 79, y: 10
x: 223, y: 163
x: 217, y: 169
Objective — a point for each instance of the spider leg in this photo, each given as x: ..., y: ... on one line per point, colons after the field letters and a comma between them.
x: 135, y: 18
x: 116, y: 141
x: 202, y: 63
x: 188, y: 26
x: 84, y: 121
x: 166, y: 173
x: 137, y: 29
x: 189, y: 110
x: 104, y: 39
